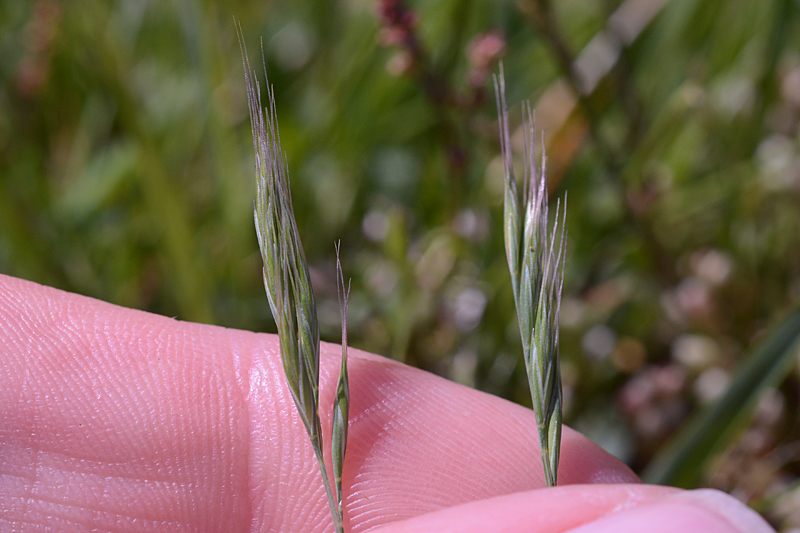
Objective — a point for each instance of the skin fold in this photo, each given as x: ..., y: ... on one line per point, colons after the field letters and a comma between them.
x: 117, y: 420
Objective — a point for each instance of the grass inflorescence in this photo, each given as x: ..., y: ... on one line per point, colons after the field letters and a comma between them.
x: 536, y: 260
x: 288, y: 286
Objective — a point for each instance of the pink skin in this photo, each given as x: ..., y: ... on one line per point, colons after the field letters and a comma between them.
x: 117, y: 420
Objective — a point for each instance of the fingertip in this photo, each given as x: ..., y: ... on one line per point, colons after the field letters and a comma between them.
x: 738, y: 515
x: 554, y: 510
x: 705, y: 510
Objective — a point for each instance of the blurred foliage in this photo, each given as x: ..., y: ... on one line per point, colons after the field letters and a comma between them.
x: 126, y: 174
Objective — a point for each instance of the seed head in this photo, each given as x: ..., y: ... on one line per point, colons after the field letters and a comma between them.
x: 536, y: 260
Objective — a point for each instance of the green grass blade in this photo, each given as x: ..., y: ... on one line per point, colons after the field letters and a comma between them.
x: 682, y: 460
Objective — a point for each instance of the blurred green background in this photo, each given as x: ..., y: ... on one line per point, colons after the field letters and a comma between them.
x: 126, y: 174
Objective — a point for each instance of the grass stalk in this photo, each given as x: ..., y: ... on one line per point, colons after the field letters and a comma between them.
x: 536, y: 259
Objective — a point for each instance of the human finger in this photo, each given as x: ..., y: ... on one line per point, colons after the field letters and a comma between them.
x: 129, y: 421
x: 593, y: 509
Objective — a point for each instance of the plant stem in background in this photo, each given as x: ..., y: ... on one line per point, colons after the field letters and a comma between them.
x: 537, y: 274
x: 685, y: 458
x: 286, y: 277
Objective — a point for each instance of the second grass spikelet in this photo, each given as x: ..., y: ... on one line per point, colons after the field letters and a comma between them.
x: 536, y: 259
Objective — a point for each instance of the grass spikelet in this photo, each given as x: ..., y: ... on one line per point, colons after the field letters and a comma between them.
x: 286, y: 278
x: 341, y: 404
x: 536, y: 260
